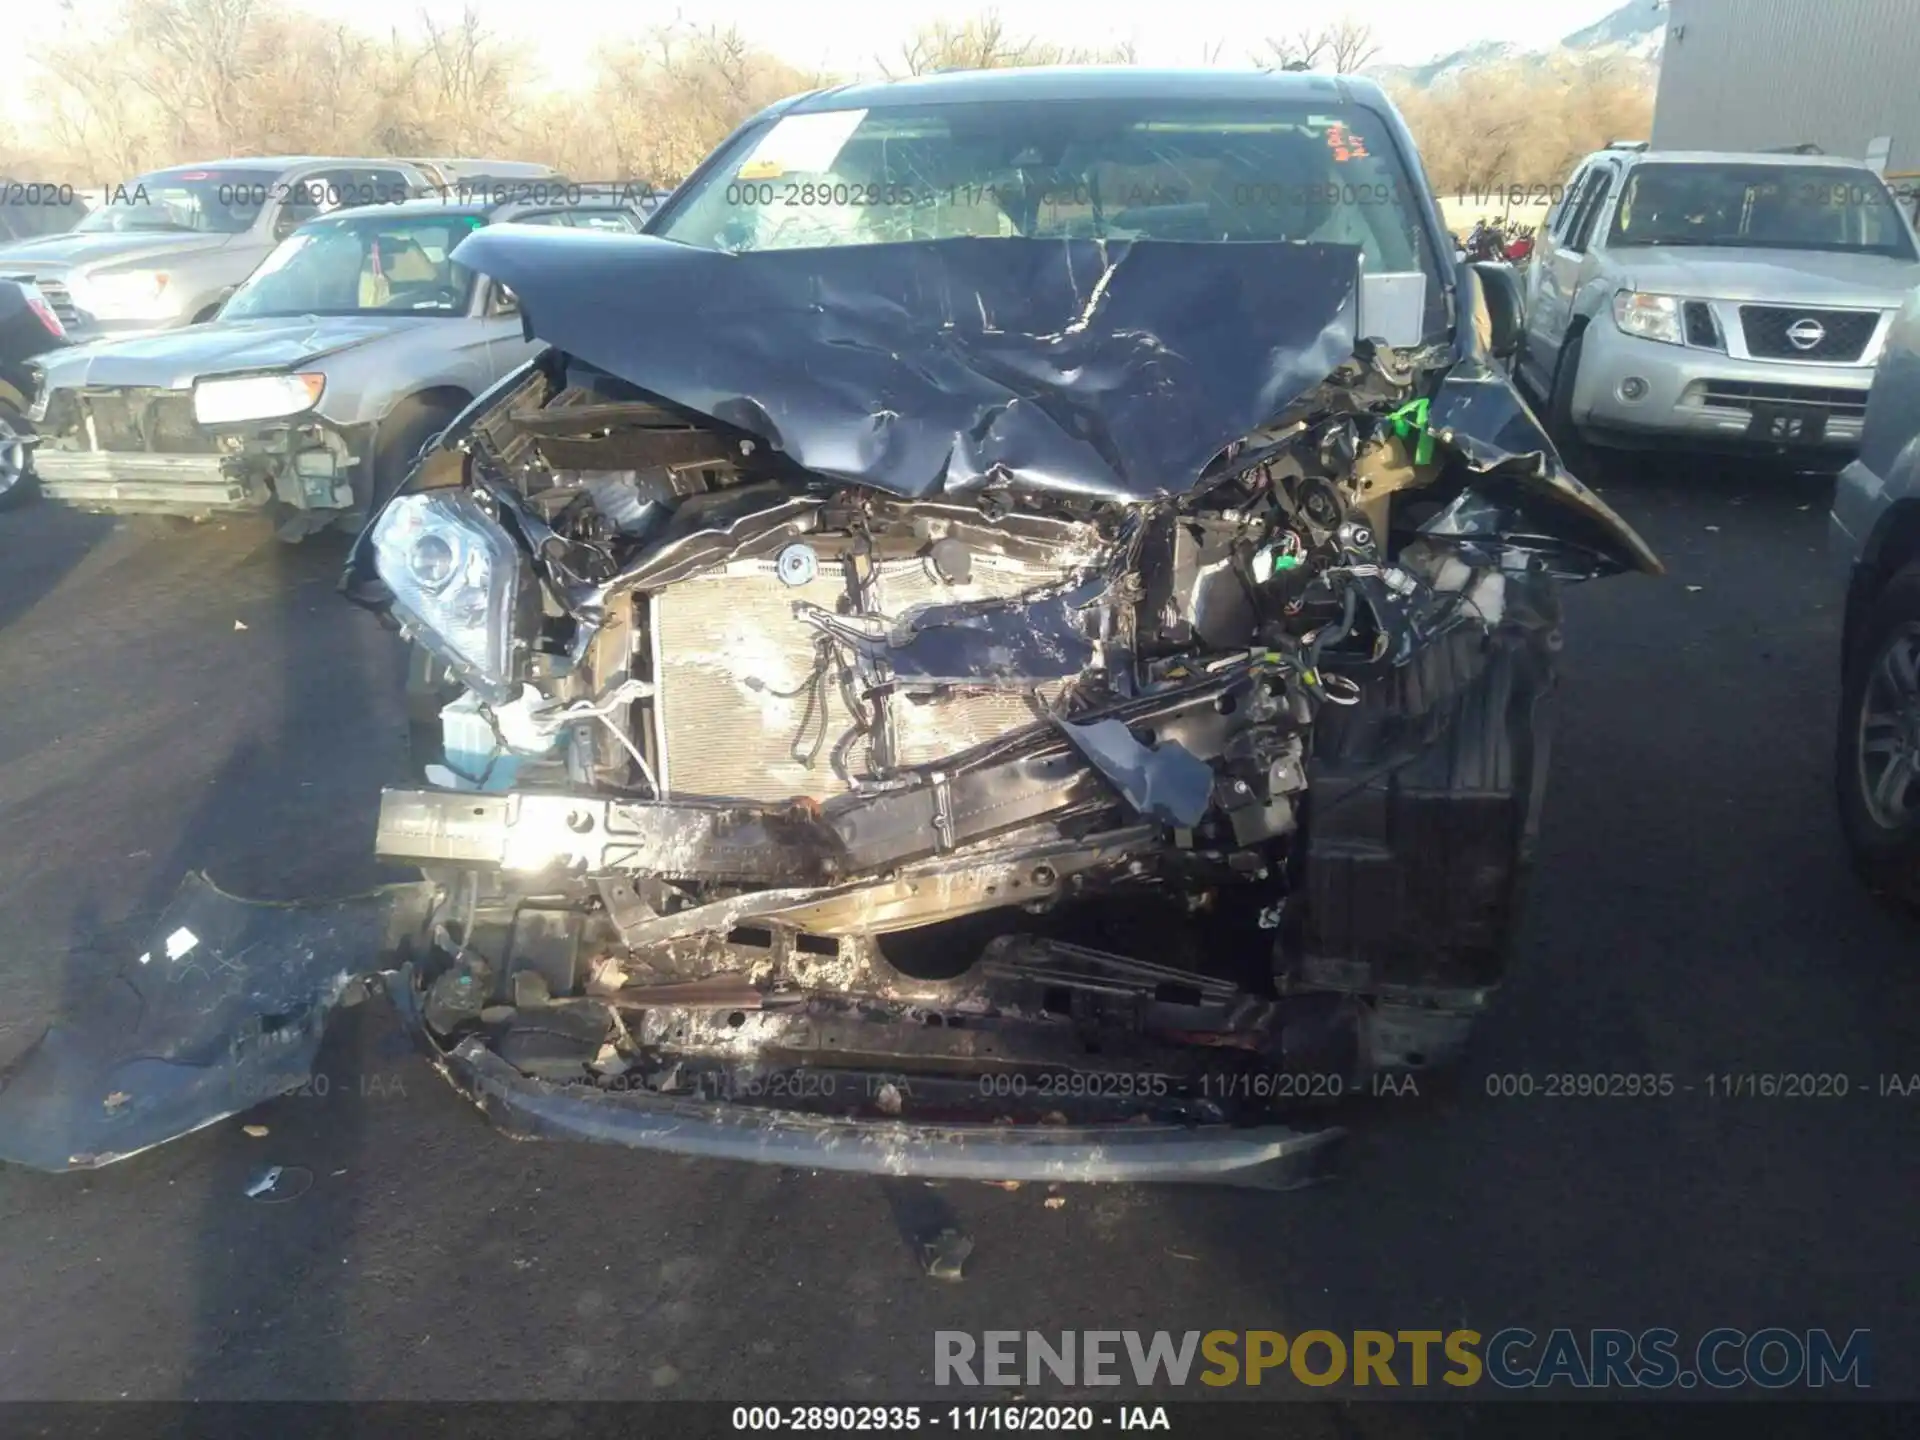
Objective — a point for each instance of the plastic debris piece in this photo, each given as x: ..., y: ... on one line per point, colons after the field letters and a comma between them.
x: 278, y: 1183
x: 239, y: 624
x: 1056, y: 1202
x: 1695, y: 589
x: 1004, y: 1184
x: 945, y: 1255
x: 180, y: 942
x: 256, y: 1131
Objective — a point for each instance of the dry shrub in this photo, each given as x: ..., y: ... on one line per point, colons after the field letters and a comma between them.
x: 167, y: 81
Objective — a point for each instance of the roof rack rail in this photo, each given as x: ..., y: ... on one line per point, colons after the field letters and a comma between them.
x: 1805, y: 147
x: 1627, y: 145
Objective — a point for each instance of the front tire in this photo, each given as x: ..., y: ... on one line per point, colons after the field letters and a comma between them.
x: 403, y: 435
x: 17, y: 485
x: 1877, y: 755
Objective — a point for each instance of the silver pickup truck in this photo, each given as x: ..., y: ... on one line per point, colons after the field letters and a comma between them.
x: 354, y: 342
x: 1721, y: 302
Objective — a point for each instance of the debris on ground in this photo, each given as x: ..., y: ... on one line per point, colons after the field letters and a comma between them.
x: 239, y: 624
x: 278, y: 1183
x: 1055, y: 1202
x: 945, y: 1255
x: 1003, y: 1184
x: 1695, y: 589
x: 256, y: 1131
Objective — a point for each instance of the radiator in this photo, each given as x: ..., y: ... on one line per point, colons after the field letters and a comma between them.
x: 726, y: 646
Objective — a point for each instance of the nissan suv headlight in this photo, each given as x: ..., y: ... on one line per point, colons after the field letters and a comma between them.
x: 460, y: 584
x: 255, y: 397
x: 1650, y: 317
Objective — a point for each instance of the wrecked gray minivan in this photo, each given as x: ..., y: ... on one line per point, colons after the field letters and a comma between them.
x: 1009, y: 637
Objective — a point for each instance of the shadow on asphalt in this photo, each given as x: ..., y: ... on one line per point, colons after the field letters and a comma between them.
x: 286, y: 813
x: 43, y: 543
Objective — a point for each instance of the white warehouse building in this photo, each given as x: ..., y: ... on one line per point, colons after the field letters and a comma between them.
x: 1843, y: 75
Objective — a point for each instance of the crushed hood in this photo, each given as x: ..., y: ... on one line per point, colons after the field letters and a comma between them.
x: 1106, y: 369
x: 174, y: 359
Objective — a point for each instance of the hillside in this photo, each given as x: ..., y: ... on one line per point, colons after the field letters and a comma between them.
x: 1635, y: 33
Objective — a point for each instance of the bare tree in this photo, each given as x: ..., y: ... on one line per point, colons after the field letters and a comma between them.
x: 1342, y: 46
x: 985, y: 43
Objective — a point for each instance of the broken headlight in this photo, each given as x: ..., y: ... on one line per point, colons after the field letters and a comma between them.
x: 460, y: 584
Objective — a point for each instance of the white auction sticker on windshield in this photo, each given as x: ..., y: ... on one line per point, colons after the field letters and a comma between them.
x: 803, y: 144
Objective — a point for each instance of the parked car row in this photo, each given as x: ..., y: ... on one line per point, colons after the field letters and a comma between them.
x: 278, y: 334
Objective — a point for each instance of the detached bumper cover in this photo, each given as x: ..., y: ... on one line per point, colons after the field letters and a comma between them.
x: 131, y: 481
x: 223, y: 1008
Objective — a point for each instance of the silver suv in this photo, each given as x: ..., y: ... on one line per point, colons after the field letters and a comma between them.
x: 1721, y: 301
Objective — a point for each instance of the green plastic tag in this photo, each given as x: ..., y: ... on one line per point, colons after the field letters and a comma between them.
x: 1411, y: 418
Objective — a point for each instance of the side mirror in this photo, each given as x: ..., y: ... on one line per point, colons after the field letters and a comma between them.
x: 503, y: 301
x: 1504, y: 307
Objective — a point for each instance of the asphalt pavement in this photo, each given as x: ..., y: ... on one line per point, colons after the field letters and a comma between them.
x: 203, y: 699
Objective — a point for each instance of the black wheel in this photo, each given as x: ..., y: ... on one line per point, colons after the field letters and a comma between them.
x: 1581, y: 456
x: 402, y: 436
x: 16, y: 467
x: 1877, y: 761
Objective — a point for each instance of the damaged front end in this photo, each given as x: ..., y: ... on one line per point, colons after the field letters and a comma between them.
x: 140, y: 450
x: 995, y: 709
x: 974, y: 743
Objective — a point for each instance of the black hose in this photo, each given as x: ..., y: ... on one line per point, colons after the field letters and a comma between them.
x: 1339, y: 630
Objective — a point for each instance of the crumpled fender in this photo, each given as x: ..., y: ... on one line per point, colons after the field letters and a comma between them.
x: 223, y: 1007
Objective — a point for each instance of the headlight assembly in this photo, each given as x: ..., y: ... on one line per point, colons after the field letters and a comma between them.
x: 255, y: 397
x: 133, y: 295
x: 1650, y: 317
x: 460, y: 584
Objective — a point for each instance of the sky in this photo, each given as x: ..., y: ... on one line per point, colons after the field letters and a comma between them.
x: 849, y: 36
